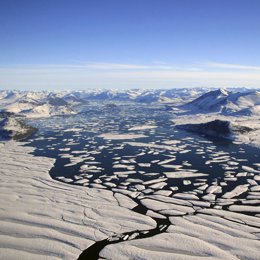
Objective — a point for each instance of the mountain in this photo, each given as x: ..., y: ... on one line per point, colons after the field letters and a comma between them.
x: 134, y: 95
x: 11, y: 128
x: 216, y: 128
x: 73, y: 98
x: 226, y: 102
x: 139, y: 95
x: 212, y: 101
x: 34, y: 104
x: 192, y: 100
x: 47, y: 110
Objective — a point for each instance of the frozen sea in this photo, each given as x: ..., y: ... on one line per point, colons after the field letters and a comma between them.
x: 163, y: 172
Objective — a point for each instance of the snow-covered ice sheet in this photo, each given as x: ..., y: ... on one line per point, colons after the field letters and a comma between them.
x: 41, y: 218
x: 201, y: 236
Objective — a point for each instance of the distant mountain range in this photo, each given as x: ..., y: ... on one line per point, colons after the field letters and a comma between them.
x: 44, y: 104
x: 191, y: 100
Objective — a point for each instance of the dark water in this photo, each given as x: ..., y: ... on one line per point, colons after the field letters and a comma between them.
x: 86, y: 145
x: 113, y: 121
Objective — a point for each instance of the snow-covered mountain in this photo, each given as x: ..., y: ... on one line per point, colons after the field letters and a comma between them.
x: 34, y: 104
x: 217, y: 128
x: 139, y: 95
x: 226, y: 102
x: 11, y: 128
x: 210, y: 101
x: 45, y: 104
x: 193, y: 100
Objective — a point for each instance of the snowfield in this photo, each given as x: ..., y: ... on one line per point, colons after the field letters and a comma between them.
x: 42, y: 218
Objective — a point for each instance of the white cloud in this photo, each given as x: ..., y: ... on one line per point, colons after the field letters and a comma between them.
x: 92, y: 66
x: 115, y: 66
x: 113, y: 75
x: 232, y: 66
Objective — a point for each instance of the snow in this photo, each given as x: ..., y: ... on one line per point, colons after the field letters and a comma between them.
x: 236, y: 191
x: 240, y: 109
x: 225, y: 102
x: 34, y: 104
x: 111, y: 136
x: 11, y: 124
x: 212, y: 218
x: 11, y: 128
x: 183, y: 174
x: 160, y: 205
x: 142, y: 127
x: 38, y: 110
x: 151, y: 145
x: 251, y: 137
x: 243, y: 208
x: 192, y: 237
x: 65, y: 218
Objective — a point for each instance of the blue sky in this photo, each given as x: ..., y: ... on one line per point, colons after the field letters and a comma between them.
x: 65, y: 44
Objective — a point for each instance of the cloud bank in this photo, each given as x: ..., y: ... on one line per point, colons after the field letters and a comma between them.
x: 114, y: 75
